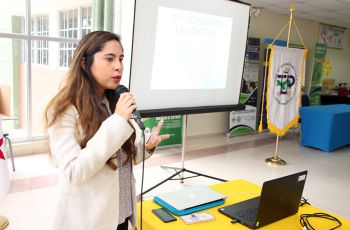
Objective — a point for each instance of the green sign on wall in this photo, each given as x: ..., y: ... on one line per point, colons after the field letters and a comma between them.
x: 172, y: 125
x: 317, y: 74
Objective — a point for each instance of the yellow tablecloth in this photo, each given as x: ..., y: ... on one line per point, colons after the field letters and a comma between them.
x: 237, y: 190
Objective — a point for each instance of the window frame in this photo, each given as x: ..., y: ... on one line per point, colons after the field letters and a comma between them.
x: 40, y: 49
x: 71, y: 26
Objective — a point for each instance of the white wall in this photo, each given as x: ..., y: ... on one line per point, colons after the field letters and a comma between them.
x: 268, y: 25
x: 207, y: 123
x: 340, y: 60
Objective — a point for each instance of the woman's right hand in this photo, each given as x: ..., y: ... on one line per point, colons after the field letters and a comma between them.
x: 125, y: 105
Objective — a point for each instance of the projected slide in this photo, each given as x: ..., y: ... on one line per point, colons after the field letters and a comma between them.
x: 188, y: 54
x: 191, y: 50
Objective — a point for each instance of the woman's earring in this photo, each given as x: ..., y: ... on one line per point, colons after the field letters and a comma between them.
x: 83, y: 63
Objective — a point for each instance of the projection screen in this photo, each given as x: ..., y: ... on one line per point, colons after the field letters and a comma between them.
x: 188, y: 55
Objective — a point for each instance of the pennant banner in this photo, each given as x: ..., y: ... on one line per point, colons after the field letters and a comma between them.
x: 286, y: 71
x: 4, y: 173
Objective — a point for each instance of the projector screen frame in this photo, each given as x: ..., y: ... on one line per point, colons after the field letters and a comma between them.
x: 190, y: 110
x: 194, y: 109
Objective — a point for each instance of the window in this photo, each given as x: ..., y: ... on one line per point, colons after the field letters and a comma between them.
x: 53, y: 33
x: 74, y: 23
x: 40, y: 49
x: 85, y: 21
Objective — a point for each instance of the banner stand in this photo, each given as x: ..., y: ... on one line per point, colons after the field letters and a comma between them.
x: 3, y: 222
x: 276, y: 160
x: 179, y: 172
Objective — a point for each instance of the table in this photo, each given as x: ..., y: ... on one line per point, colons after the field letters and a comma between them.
x: 236, y: 190
x: 325, y: 127
x: 329, y: 100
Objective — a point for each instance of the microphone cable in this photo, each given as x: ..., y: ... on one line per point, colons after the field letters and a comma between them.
x: 142, y: 174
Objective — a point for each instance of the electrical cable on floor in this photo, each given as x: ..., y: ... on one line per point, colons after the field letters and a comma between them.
x: 304, y: 220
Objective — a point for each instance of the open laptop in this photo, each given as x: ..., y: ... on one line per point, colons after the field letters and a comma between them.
x: 279, y: 198
x: 190, y: 197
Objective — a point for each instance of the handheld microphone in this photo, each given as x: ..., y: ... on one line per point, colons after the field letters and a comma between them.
x: 135, y: 114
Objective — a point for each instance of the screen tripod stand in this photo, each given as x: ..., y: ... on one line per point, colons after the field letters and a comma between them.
x: 180, y: 171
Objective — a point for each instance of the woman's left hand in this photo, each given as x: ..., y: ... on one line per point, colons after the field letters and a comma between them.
x: 155, y: 138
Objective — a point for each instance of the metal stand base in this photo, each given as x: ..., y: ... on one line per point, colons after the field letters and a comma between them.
x: 275, y: 161
x: 3, y: 222
x: 181, y: 178
x: 182, y: 169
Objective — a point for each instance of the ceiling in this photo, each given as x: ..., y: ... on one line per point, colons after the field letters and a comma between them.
x: 332, y: 12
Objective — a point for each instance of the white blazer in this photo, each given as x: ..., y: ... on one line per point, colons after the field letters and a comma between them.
x: 88, y: 196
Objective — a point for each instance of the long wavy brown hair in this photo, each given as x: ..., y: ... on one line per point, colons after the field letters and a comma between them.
x: 80, y: 91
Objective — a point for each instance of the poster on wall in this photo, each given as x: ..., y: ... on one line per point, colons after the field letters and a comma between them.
x: 172, y: 125
x: 331, y: 36
x: 244, y: 122
x: 317, y: 74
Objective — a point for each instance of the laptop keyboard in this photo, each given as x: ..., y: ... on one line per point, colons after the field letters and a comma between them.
x: 247, y: 214
x: 245, y: 211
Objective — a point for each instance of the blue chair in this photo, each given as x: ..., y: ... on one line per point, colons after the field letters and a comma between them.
x: 304, y: 102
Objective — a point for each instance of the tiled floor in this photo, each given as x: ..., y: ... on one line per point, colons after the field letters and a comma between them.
x: 30, y: 202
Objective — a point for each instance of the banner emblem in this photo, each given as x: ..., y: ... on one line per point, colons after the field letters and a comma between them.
x: 285, y: 80
x: 286, y: 72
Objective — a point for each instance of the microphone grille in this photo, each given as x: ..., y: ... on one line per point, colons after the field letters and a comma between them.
x: 119, y: 90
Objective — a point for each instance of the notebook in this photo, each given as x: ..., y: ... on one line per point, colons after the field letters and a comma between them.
x: 189, y: 198
x: 279, y: 199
